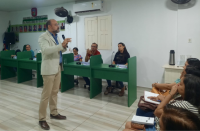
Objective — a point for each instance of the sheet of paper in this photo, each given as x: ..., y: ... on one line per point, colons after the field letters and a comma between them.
x: 85, y: 63
x: 121, y: 66
x: 148, y: 94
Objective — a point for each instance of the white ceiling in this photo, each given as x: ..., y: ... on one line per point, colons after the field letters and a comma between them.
x: 17, y: 5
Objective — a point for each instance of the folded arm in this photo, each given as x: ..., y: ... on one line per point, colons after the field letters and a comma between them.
x: 163, y: 86
x: 159, y: 110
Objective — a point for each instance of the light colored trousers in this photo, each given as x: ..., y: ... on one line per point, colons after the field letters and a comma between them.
x: 49, y: 94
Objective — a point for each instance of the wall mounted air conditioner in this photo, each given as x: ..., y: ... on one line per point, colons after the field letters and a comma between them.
x: 91, y: 6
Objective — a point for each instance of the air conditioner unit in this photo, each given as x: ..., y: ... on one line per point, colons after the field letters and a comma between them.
x: 91, y: 6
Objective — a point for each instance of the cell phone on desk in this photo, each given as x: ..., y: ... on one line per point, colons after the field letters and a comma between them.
x: 78, y: 63
x: 111, y: 65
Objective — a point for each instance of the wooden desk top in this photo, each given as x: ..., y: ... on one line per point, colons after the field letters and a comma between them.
x: 173, y: 67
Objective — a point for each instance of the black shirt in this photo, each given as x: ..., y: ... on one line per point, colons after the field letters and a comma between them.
x: 121, y: 58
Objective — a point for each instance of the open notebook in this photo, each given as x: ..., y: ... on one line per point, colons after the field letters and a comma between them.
x: 85, y: 63
x: 147, y: 94
x: 121, y: 66
x: 143, y: 120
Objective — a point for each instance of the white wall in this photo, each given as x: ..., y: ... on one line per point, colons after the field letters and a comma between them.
x: 189, y: 28
x: 149, y: 28
x: 4, y: 23
x: 32, y: 38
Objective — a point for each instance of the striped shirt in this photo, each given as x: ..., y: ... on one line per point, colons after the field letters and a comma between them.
x: 181, y: 104
x: 185, y: 105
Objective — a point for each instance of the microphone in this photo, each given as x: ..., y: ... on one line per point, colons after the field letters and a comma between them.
x: 112, y: 56
x: 111, y: 60
x: 35, y: 50
x: 63, y: 36
x: 10, y: 46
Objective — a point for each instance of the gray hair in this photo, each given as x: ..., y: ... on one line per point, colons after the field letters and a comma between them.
x: 29, y: 45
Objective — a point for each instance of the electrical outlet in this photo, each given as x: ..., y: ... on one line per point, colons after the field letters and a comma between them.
x: 190, y: 41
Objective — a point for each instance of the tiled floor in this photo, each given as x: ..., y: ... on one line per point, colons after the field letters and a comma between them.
x: 19, y: 108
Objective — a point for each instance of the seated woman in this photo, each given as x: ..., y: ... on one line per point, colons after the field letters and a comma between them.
x: 194, y: 70
x: 190, y: 96
x: 163, y: 86
x: 174, y: 118
x: 77, y: 57
x: 121, y: 57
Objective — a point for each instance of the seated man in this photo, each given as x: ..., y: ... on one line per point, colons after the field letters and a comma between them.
x: 89, y: 53
x: 28, y: 48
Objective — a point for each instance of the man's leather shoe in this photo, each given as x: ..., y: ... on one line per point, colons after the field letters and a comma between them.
x: 58, y: 117
x: 44, y: 125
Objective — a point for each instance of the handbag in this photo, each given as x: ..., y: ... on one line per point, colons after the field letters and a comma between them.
x: 146, y: 106
x: 160, y: 92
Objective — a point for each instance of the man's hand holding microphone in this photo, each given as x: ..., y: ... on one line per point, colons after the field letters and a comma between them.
x: 66, y: 41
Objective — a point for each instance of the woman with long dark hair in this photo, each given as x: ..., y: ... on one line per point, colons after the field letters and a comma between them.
x: 189, y: 97
x: 172, y: 119
x: 121, y: 57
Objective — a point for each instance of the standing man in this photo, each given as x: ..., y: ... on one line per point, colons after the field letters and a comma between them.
x: 51, y: 49
x: 90, y: 53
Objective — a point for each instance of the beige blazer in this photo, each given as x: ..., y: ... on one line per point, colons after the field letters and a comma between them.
x: 50, y: 54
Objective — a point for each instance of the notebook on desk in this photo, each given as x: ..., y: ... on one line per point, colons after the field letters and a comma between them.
x: 121, y: 66
x: 143, y: 120
x: 85, y: 63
